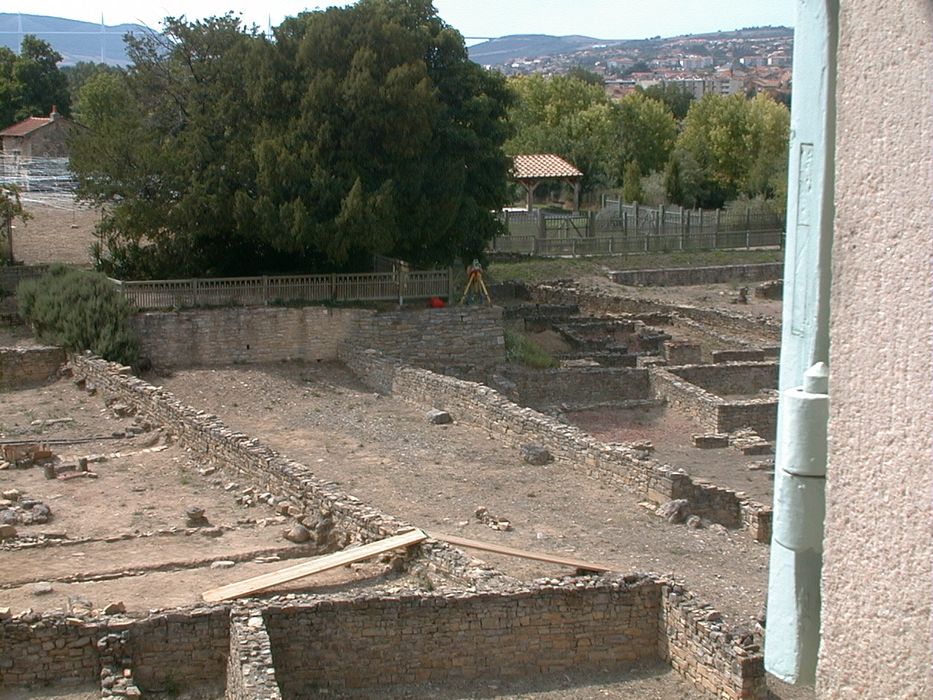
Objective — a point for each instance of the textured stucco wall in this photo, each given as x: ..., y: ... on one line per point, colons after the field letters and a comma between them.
x: 877, y: 577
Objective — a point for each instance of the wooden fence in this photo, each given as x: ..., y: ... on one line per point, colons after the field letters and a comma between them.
x: 631, y: 244
x: 281, y: 289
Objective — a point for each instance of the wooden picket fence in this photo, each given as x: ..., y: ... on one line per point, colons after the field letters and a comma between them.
x: 283, y: 289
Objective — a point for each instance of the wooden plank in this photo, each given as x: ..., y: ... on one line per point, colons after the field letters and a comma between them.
x: 524, y: 554
x: 313, y: 566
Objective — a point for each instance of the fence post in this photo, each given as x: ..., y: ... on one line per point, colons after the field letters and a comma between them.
x: 194, y: 292
x: 591, y: 224
x: 716, y: 229
x: 333, y: 286
x: 542, y: 225
x: 748, y: 227
x: 635, y: 214
x: 265, y: 290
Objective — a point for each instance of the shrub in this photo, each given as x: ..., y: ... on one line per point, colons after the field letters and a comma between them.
x: 521, y: 349
x: 79, y: 310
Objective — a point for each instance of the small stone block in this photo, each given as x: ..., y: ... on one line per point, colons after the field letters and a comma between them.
x: 711, y: 441
x: 438, y: 417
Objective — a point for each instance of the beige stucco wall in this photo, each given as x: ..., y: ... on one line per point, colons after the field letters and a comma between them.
x: 877, y: 576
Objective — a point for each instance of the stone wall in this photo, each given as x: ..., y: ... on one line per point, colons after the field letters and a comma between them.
x: 694, y: 640
x: 408, y: 639
x: 26, y: 366
x: 216, y: 337
x: 187, y: 648
x: 620, y: 465
x: 675, y: 277
x: 335, y: 518
x: 553, y: 388
x: 711, y: 412
x: 742, y: 378
x: 599, y: 302
x: 251, y: 673
x: 466, y: 340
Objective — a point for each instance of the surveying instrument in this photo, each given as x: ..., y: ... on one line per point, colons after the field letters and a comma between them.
x: 475, y: 290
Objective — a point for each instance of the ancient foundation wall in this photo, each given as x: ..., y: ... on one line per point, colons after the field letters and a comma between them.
x: 684, y: 276
x: 26, y: 366
x: 251, y: 672
x: 215, y: 337
x: 464, y: 636
x: 623, y: 466
x: 184, y: 648
x: 335, y: 518
x: 466, y: 340
x: 711, y: 412
x: 544, y: 389
x: 694, y: 640
x: 598, y: 302
x: 744, y: 378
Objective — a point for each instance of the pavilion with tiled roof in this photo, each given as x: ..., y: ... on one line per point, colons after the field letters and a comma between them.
x: 532, y: 170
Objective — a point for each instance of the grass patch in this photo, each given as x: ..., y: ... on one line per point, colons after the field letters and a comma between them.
x: 543, y: 269
x: 522, y: 350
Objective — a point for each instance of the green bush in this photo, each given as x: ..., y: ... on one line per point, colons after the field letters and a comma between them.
x: 523, y: 350
x: 79, y: 310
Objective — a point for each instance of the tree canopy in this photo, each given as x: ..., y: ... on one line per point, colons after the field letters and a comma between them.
x: 356, y: 131
x: 30, y: 82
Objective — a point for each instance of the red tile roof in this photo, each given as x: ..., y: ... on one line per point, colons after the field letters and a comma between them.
x: 542, y: 165
x: 26, y: 126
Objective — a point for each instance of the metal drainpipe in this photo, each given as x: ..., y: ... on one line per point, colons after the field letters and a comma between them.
x: 793, y: 620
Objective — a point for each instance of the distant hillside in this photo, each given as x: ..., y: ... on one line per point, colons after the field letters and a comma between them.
x: 529, y: 46
x: 75, y: 41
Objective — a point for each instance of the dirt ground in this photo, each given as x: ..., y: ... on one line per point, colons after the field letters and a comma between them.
x: 122, y: 535
x: 60, y: 230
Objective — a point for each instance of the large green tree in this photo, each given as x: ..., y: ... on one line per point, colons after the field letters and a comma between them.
x: 384, y: 137
x: 570, y: 118
x: 31, y: 82
x: 356, y: 131
x: 740, y: 145
x: 648, y: 132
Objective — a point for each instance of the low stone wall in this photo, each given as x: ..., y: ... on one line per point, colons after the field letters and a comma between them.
x: 684, y: 276
x: 480, y: 405
x: 694, y: 640
x: 462, y: 636
x: 186, y: 648
x: 215, y: 337
x: 722, y: 379
x: 711, y: 412
x: 468, y: 341
x: 550, y: 388
x: 251, y: 673
x: 335, y: 518
x: 599, y: 302
x: 465, y: 340
x: 29, y: 366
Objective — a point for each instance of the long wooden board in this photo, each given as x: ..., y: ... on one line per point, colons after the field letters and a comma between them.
x: 524, y: 554
x: 314, y: 566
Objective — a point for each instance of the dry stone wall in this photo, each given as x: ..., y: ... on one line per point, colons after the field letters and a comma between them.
x: 335, y: 518
x: 468, y: 341
x: 676, y: 277
x: 26, y: 366
x: 463, y: 636
x: 598, y: 302
x: 551, y: 388
x: 742, y: 378
x: 187, y: 648
x: 216, y: 337
x: 624, y: 466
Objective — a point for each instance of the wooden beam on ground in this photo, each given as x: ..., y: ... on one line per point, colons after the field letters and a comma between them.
x: 313, y: 566
x: 524, y: 554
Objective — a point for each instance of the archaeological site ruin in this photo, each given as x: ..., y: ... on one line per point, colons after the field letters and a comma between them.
x: 137, y: 508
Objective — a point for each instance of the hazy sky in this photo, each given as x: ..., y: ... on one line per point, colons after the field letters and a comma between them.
x: 604, y: 19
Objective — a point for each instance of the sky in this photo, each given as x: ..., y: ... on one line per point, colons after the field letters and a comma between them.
x: 602, y: 19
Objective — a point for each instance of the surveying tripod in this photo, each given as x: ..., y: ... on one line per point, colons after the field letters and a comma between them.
x: 475, y: 287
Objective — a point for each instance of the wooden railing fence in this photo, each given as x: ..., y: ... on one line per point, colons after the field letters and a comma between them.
x: 283, y: 289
